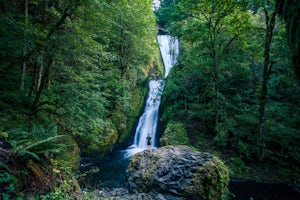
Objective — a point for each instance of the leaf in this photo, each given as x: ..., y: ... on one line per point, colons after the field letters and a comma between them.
x: 24, y: 153
x: 48, y: 140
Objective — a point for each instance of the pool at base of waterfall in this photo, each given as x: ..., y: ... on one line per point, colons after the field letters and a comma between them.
x: 111, y: 173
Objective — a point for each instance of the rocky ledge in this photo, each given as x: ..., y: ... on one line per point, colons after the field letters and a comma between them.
x: 177, y: 172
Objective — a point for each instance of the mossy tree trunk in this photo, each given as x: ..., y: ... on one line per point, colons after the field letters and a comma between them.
x: 268, y: 63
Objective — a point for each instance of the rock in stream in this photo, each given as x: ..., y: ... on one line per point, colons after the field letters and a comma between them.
x: 177, y: 172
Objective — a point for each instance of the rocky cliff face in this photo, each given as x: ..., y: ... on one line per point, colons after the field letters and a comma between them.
x: 177, y: 172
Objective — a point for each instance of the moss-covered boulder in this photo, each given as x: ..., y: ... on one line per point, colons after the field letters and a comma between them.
x: 177, y: 172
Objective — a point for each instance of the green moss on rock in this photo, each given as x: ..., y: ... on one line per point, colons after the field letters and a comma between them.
x: 211, y: 181
x: 142, y: 169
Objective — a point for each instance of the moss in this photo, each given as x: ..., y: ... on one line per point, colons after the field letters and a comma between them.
x: 174, y: 134
x: 99, y: 141
x: 71, y: 157
x: 110, y: 138
x: 211, y: 181
x: 3, y: 135
x: 119, y: 120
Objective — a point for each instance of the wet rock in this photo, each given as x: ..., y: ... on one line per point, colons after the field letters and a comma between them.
x: 177, y: 172
x: 123, y: 194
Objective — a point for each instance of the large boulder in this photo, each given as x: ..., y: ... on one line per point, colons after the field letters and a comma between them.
x: 177, y: 172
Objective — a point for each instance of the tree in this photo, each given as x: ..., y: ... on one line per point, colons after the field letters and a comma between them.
x: 289, y: 10
x: 267, y: 70
x: 23, y: 69
x: 212, y: 27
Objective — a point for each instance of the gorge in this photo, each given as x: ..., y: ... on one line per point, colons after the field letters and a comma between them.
x: 113, y: 173
x: 112, y: 170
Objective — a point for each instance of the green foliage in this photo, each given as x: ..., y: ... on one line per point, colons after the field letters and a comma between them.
x: 238, y: 168
x: 166, y: 12
x: 288, y: 11
x: 7, y: 183
x: 3, y: 135
x: 43, y: 160
x: 85, y: 60
x: 87, y: 64
x: 174, y: 134
x: 128, y: 119
x: 38, y: 142
x: 213, y: 91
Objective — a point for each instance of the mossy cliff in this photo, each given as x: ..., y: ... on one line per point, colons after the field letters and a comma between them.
x: 177, y: 172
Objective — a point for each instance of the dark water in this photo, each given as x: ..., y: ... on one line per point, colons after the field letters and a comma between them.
x: 245, y: 190
x: 112, y: 171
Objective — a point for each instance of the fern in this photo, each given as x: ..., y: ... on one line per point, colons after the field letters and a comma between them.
x: 38, y: 142
x: 24, y: 154
x: 43, y: 142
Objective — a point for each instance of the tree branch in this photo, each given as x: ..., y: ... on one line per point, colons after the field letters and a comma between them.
x: 230, y: 41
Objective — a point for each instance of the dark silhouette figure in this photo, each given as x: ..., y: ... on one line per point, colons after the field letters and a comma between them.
x: 148, y: 139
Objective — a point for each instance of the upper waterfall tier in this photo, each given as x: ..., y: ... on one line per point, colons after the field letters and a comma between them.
x: 169, y: 49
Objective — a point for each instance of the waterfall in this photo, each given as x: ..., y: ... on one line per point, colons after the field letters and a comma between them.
x: 148, y: 121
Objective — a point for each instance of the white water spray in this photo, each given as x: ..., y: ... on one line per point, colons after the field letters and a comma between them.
x: 148, y: 121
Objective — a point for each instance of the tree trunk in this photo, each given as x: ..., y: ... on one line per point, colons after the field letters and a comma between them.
x: 33, y: 82
x: 122, y: 54
x: 270, y: 23
x: 40, y: 73
x: 217, y: 95
x: 44, y: 81
x: 23, y: 68
x: 73, y: 5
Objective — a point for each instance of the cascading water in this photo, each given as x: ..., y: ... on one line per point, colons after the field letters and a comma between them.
x: 148, y: 121
x: 169, y: 50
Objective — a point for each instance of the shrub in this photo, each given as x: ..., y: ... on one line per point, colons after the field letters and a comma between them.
x: 175, y: 134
